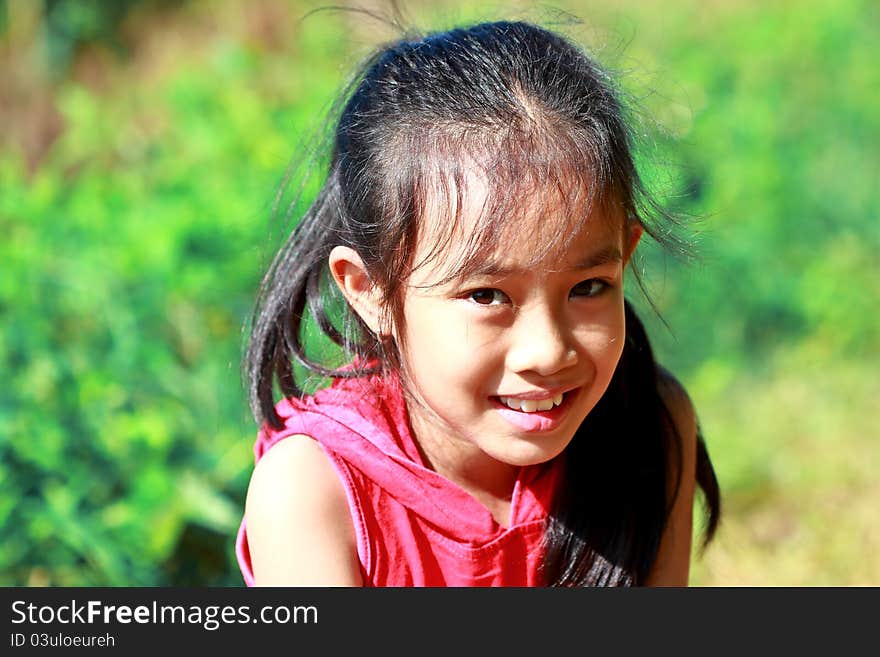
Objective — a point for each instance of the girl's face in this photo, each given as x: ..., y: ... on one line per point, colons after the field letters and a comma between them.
x: 506, y: 364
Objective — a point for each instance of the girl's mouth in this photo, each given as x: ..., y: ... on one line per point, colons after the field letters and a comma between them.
x: 533, y: 414
x: 532, y: 405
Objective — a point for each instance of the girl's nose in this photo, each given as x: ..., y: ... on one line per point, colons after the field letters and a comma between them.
x: 541, y: 344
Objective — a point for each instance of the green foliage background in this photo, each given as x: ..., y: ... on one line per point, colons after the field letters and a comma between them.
x: 141, y: 147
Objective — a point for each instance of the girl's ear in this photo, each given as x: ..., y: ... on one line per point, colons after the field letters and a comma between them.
x: 351, y: 277
x: 632, y: 237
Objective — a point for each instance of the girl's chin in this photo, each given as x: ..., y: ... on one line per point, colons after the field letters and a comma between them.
x: 525, y: 455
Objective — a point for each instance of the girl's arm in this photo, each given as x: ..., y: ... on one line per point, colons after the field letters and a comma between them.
x: 299, y: 528
x: 674, y: 556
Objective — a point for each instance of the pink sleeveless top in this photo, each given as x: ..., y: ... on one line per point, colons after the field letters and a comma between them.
x: 413, y: 526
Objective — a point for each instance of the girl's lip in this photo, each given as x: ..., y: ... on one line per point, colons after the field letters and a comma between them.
x: 540, y: 394
x: 536, y: 421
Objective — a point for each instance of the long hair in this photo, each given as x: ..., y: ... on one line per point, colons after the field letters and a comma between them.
x: 610, y: 515
x: 530, y: 112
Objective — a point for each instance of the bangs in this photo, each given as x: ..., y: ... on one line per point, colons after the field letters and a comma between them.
x: 478, y: 189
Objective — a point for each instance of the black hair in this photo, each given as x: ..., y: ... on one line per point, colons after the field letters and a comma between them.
x: 535, y: 115
x: 607, y: 523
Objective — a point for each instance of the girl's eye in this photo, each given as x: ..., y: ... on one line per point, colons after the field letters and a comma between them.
x: 589, y: 288
x: 488, y: 297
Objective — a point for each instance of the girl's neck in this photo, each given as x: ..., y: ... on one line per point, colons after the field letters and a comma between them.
x: 489, y: 481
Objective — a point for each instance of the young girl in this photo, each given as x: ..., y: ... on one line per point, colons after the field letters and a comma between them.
x: 500, y: 420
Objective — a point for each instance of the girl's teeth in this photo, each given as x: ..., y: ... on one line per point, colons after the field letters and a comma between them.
x: 531, y: 405
x: 545, y: 404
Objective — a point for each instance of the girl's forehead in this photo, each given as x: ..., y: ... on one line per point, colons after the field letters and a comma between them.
x: 472, y: 226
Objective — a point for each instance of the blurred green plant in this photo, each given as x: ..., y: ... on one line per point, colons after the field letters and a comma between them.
x: 67, y: 25
x: 131, y: 260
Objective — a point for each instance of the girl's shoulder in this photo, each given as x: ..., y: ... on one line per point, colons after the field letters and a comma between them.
x: 299, y: 528
x: 672, y: 565
x: 678, y: 402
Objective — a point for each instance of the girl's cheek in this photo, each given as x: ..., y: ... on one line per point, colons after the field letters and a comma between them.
x: 603, y: 344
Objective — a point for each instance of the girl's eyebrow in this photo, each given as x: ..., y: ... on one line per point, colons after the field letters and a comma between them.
x: 607, y: 255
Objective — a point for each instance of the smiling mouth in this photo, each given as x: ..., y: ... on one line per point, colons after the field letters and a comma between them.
x: 532, y: 405
x: 548, y: 413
